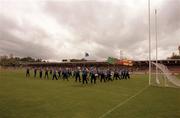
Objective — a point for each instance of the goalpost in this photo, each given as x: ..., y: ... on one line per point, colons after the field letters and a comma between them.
x: 159, y: 75
x: 162, y: 77
x: 149, y: 41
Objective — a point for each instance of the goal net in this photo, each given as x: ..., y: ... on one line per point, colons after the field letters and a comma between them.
x: 162, y: 77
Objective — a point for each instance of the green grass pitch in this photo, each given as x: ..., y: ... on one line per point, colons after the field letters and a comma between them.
x: 35, y: 98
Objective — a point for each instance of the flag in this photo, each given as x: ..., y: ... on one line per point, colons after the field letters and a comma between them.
x: 86, y: 54
x: 112, y: 60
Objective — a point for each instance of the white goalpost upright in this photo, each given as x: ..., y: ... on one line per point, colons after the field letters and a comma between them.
x: 159, y: 75
x: 149, y: 9
x: 157, y: 80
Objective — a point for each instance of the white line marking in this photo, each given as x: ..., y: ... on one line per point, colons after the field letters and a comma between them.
x: 125, y: 101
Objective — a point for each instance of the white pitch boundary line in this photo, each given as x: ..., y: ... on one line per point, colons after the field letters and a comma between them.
x: 125, y: 101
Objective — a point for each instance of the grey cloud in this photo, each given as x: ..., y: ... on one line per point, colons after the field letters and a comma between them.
x: 10, y: 43
x: 169, y: 16
x: 169, y: 26
x: 106, y: 27
x: 100, y: 22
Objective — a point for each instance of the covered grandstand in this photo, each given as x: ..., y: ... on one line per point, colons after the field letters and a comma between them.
x: 139, y: 65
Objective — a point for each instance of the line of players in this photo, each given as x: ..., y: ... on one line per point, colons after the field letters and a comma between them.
x: 79, y: 74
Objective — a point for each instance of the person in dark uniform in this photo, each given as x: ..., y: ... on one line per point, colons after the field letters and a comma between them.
x: 50, y: 71
x: 109, y: 75
x: 102, y: 76
x: 94, y: 75
x: 127, y: 74
x: 69, y: 72
x: 65, y: 74
x: 59, y: 73
x: 40, y: 73
x: 120, y: 74
x: 105, y: 74
x: 84, y: 75
x: 28, y: 72
x: 77, y: 75
x: 46, y: 76
x: 54, y: 75
x: 123, y: 74
x: 116, y: 74
x: 35, y: 72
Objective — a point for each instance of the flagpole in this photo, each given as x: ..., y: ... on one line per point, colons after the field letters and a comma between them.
x: 149, y: 42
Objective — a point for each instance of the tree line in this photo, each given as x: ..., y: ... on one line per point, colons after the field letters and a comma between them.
x: 17, y: 61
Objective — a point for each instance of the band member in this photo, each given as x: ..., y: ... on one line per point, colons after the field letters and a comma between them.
x: 84, y: 75
x: 65, y: 74
x: 69, y: 72
x: 93, y: 76
x: 123, y: 74
x: 46, y: 76
x: 102, y: 76
x: 120, y: 73
x: 127, y: 74
x: 59, y: 73
x: 116, y: 74
x: 54, y: 75
x: 35, y: 72
x: 40, y: 73
x: 77, y: 75
x: 28, y: 72
x: 109, y: 75
x: 50, y: 71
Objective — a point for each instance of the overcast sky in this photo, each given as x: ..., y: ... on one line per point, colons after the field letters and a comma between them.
x: 57, y: 29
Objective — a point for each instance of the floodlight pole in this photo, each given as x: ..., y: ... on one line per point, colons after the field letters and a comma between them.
x: 149, y: 42
x: 156, y: 43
